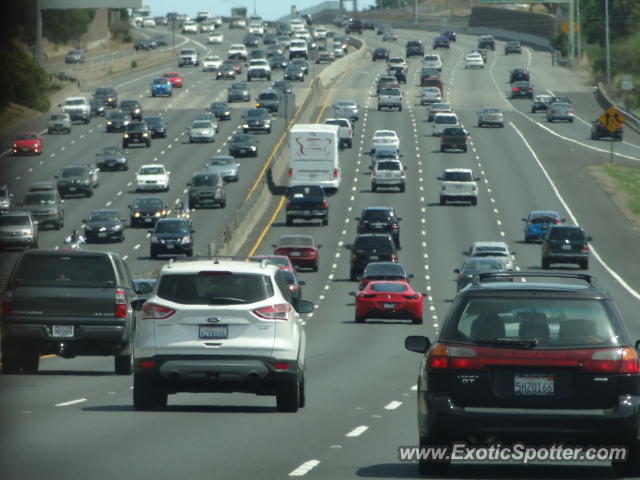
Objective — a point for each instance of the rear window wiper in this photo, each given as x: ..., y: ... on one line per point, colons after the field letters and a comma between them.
x: 225, y: 300
x: 508, y: 342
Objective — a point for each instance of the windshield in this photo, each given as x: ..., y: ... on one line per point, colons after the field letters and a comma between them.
x: 241, y: 138
x: 204, y: 180
x: 388, y: 287
x: 201, y: 124
x: 268, y: 96
x: 161, y: 81
x: 104, y: 217
x: 26, y: 136
x: 14, y: 220
x: 295, y: 240
x: 384, y: 269
x: 172, y: 227
x: 255, y: 114
x: 117, y: 115
x: 153, y: 120
x: 40, y: 199
x: 64, y: 270
x: 377, y: 215
x: 222, y: 161
x: 151, y: 171
x: 566, y: 233
x: 110, y: 151
x: 491, y: 110
x: 447, y: 119
x: 554, y: 323
x: 380, y: 243
x: 458, y: 177
x: 58, y: 116
x: 223, y: 288
x: 544, y: 219
x: 148, y: 203
x: 75, y: 101
x: 306, y: 191
x: 73, y: 172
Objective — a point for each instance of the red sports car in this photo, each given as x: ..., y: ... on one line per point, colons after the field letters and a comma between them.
x: 388, y: 299
x: 175, y: 78
x: 27, y: 142
x: 301, y: 250
x: 281, y: 261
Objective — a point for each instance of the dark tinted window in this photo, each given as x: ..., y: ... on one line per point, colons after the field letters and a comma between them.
x: 377, y: 215
x: 76, y: 270
x: 148, y: 203
x: 268, y: 96
x: 566, y: 233
x: 257, y: 113
x: 214, y: 288
x: 26, y: 136
x: 14, y: 220
x: 379, y: 243
x: 388, y: 287
x: 295, y: 240
x: 137, y: 127
x: 454, y: 131
x: 74, y: 172
x: 552, y: 322
x: 479, y: 265
x: 172, y: 227
x: 40, y: 199
x: 388, y: 166
x: 388, y: 269
x: 104, y: 217
x: 457, y: 177
x: 205, y: 181
x: 306, y: 191
x: 153, y: 120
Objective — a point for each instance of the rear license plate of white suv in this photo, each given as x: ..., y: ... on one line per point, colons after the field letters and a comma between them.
x: 533, y: 385
x: 208, y: 332
x: 62, y: 331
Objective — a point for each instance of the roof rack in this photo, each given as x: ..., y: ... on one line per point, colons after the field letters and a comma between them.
x: 216, y: 259
x: 590, y: 279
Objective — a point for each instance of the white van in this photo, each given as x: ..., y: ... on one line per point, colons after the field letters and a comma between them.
x: 442, y: 121
x: 314, y: 156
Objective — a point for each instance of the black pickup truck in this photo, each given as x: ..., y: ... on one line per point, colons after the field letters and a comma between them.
x: 307, y: 202
x: 69, y: 303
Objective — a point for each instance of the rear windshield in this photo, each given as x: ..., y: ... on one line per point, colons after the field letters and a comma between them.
x: 148, y: 203
x: 201, y: 124
x: 457, y: 177
x: 448, y: 119
x: 381, y: 243
x: 388, y: 287
x: 40, y: 199
x: 215, y: 288
x: 151, y: 171
x: 26, y: 136
x: 295, y: 241
x: 431, y: 58
x: 12, y: 220
x: 388, y: 165
x: 543, y: 219
x: 63, y: 270
x: 205, y: 180
x: 554, y: 323
x: 377, y: 215
x: 477, y: 266
x: 58, y: 116
x: 568, y: 233
x: 268, y: 96
x: 306, y: 191
x: 338, y: 121
x: 104, y: 217
x: 386, y: 269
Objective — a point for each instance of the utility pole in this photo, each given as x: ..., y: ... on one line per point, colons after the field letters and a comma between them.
x: 606, y: 40
x: 415, y: 11
x: 572, y: 31
x: 38, y: 46
x: 579, y: 42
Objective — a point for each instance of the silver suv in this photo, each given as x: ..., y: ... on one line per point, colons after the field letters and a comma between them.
x: 18, y: 229
x: 59, y: 122
x: 388, y: 173
x: 220, y: 326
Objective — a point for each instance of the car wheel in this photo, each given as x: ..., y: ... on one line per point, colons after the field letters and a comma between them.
x: 49, y: 131
x: 527, y: 239
x: 325, y: 221
x: 289, y: 222
x: 359, y: 319
x: 584, y: 265
x: 630, y: 467
x: 147, y: 395
x: 474, y: 201
x: 223, y: 203
x: 443, y: 201
x: 189, y: 253
x: 464, y: 149
x: 192, y: 205
x: 402, y: 187
x: 153, y: 254
x: 288, y: 395
x: 90, y: 193
x: 374, y: 187
x: 545, y: 264
x: 416, y: 320
x: 123, y: 364
x: 303, y: 396
x: 352, y: 276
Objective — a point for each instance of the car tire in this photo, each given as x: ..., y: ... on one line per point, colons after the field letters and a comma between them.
x: 189, y: 253
x: 480, y: 124
x: 443, y: 149
x: 474, y: 202
x: 416, y: 320
x: 359, y: 319
x: 147, y: 395
x: 631, y: 467
x: 49, y: 131
x: 153, y: 254
x: 325, y: 221
x: 443, y: 201
x: 352, y: 276
x: 289, y: 222
x: 431, y: 468
x: 545, y: 264
x: 90, y: 193
x: 374, y: 187
x: 123, y: 364
x: 402, y: 188
x: 527, y: 239
x: 464, y: 149
x: 288, y: 395
x: 584, y: 265
x: 303, y: 395
x: 223, y: 204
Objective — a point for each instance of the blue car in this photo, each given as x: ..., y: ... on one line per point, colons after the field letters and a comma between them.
x: 538, y: 222
x: 161, y: 86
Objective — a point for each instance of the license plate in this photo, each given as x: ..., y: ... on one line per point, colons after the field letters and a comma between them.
x: 147, y: 220
x: 307, y: 212
x: 102, y: 235
x: 136, y: 139
x: 243, y: 150
x: 533, y: 385
x: 25, y: 149
x: 62, y: 331
x: 373, y: 257
x: 566, y: 247
x: 208, y: 332
x: 389, y: 305
x: 170, y: 247
x: 295, y: 254
x: 72, y: 189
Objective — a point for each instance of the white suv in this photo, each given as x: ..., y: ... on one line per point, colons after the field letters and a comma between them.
x: 458, y: 184
x: 388, y: 173
x: 220, y: 326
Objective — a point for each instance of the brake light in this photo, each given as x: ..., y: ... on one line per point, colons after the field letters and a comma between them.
x: 585, y: 247
x: 121, y: 304
x: 280, y: 365
x: 350, y: 132
x: 293, y: 287
x: 147, y: 364
x: 515, y: 89
x: 354, y: 257
x: 367, y: 295
x: 290, y: 172
x: 325, y: 204
x: 335, y: 173
x: 6, y: 303
x: 153, y: 311
x: 279, y: 311
x: 415, y: 296
x: 629, y: 362
x: 288, y: 203
x: 281, y: 251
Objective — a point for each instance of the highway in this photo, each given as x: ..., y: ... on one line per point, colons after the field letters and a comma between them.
x: 75, y: 418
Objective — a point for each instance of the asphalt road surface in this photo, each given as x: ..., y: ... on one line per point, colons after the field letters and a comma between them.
x: 75, y: 419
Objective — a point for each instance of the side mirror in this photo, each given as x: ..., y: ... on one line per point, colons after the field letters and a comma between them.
x: 637, y: 345
x: 524, y: 219
x: 320, y: 246
x: 56, y: 176
x: 476, y: 179
x: 188, y: 184
x: 302, y: 283
x: 357, y: 218
x: 149, y: 231
x: 352, y: 294
x: 35, y: 222
x: 193, y: 231
x: 589, y: 239
x: 84, y: 221
x: 465, y: 253
x: 399, y: 219
x: 456, y: 270
x: 410, y: 275
x: 305, y: 306
x: 417, y: 343
x: 128, y: 206
x: 273, y: 245
x: 563, y: 220
x: 137, y: 304
x: 439, y: 178
x: 404, y: 168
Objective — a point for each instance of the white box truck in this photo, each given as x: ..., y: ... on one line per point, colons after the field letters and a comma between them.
x: 314, y: 157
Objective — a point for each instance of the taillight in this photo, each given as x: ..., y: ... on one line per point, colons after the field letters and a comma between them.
x: 288, y: 203
x: 335, y: 173
x: 394, y: 226
x: 6, y: 303
x: 354, y: 257
x: 515, y: 89
x: 121, y: 304
x: 394, y: 257
x: 325, y: 204
x: 290, y: 172
x: 279, y: 311
x: 547, y: 246
x: 629, y: 362
x: 367, y: 295
x: 280, y: 366
x: 585, y: 247
x: 624, y: 361
x: 280, y: 251
x: 415, y: 296
x: 293, y: 287
x: 153, y: 311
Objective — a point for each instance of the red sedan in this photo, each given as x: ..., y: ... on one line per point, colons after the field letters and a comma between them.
x: 27, y: 142
x: 175, y: 78
x: 281, y: 261
x: 301, y: 250
x: 388, y: 299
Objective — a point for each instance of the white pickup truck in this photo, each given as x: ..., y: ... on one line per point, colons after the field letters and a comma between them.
x: 78, y: 108
x: 390, y: 98
x: 458, y: 184
x: 188, y: 56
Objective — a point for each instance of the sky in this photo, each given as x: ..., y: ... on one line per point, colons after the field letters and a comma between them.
x: 267, y: 9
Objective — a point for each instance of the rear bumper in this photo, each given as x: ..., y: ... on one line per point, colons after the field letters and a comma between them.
x: 566, y: 257
x: 438, y: 415
x: 23, y: 240
x: 219, y: 373
x: 307, y: 214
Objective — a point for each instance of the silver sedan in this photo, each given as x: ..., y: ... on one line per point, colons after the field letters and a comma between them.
x: 491, y: 116
x: 225, y: 166
x: 346, y: 109
x: 560, y: 111
x: 201, y: 131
